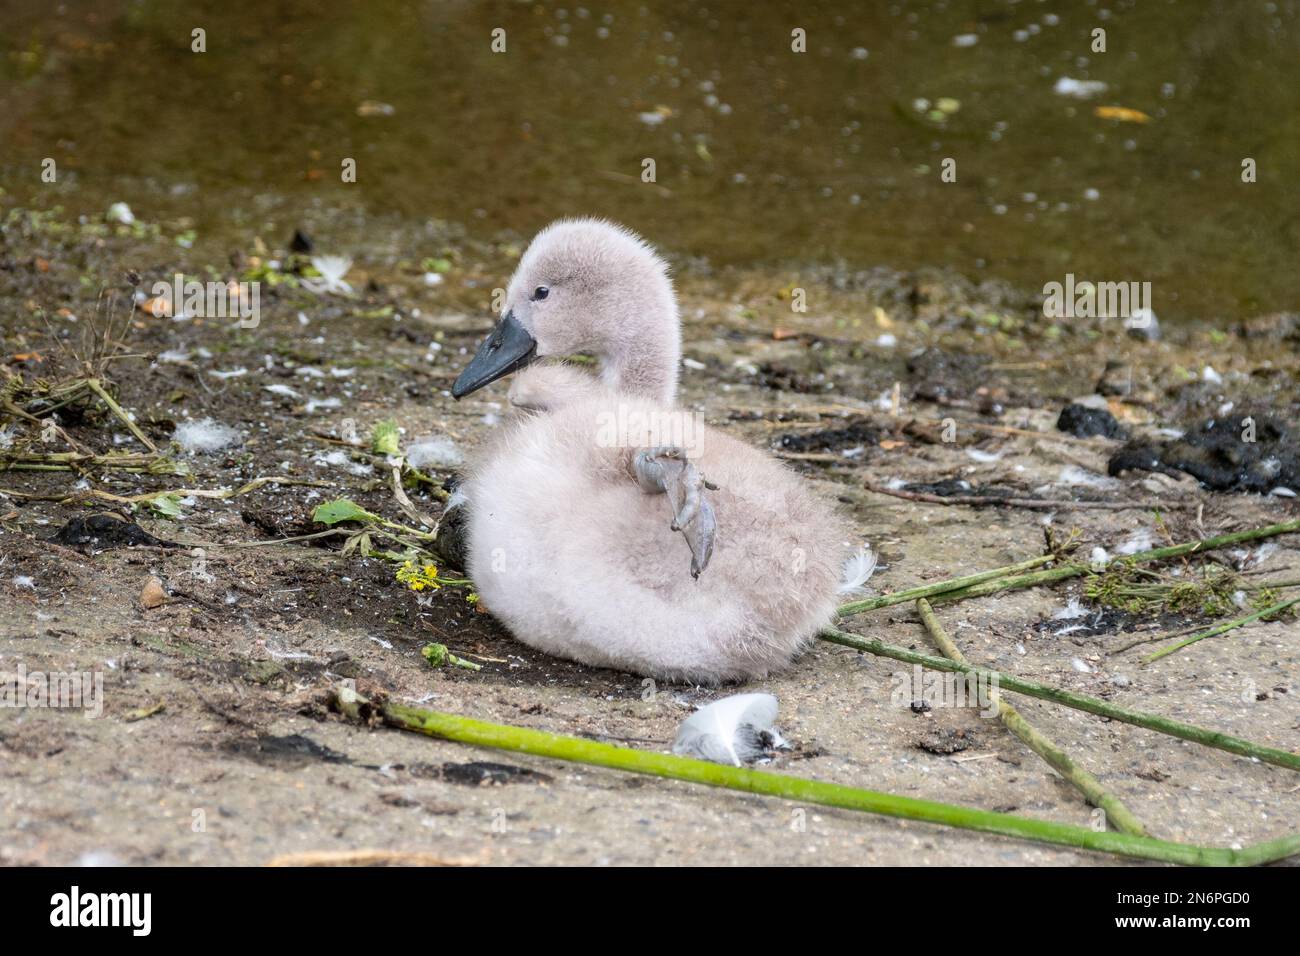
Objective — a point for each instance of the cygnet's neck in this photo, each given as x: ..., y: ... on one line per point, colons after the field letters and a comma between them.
x: 648, y: 369
x: 645, y: 358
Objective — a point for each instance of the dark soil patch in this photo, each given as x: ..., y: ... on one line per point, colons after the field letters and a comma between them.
x: 856, y: 433
x: 1244, y: 453
x: 946, y: 741
x: 1100, y: 621
x: 1084, y: 422
x: 950, y: 487
x: 293, y: 750
x: 284, y: 522
x: 783, y: 378
x: 104, y: 532
x: 486, y: 773
x: 956, y: 380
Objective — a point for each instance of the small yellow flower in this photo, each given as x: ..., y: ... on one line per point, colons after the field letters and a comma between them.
x: 419, y: 578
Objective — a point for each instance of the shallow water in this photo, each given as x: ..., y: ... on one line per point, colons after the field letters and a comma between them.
x: 763, y: 156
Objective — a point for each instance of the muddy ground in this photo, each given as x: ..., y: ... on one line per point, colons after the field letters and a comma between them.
x: 243, y: 765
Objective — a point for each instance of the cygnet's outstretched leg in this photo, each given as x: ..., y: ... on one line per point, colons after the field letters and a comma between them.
x: 665, y: 469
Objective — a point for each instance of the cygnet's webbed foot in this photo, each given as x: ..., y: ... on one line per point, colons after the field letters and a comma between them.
x: 665, y: 469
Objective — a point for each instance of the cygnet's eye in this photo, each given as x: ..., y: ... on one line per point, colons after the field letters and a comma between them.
x: 540, y: 293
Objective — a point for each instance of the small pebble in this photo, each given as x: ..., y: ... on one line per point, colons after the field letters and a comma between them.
x: 153, y: 594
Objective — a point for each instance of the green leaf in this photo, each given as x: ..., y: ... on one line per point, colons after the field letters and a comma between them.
x: 341, y: 509
x: 438, y: 656
x: 169, y: 506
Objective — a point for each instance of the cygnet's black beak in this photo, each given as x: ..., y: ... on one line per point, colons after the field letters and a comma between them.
x: 506, y: 350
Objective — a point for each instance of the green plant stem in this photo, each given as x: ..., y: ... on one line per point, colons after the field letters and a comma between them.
x: 423, y: 535
x: 94, y: 385
x: 79, y: 461
x: 435, y: 487
x: 927, y: 590
x: 524, y: 740
x: 1018, y: 685
x: 219, y: 494
x: 296, y: 538
x: 77, y: 458
x: 1221, y: 629
x: 133, y: 469
x: 1051, y: 575
x: 1118, y: 815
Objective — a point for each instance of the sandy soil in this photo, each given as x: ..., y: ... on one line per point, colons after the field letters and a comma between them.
x: 243, y: 765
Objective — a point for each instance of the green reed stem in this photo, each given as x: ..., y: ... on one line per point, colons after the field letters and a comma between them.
x: 593, y: 753
x: 1118, y: 815
x: 1019, y: 685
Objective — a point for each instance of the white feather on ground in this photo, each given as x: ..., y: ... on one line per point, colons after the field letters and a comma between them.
x: 341, y: 459
x: 434, y: 451
x: 1070, y: 630
x: 332, y: 269
x: 1072, y: 611
x: 204, y: 435
x: 735, y: 730
x: 1246, y: 558
x: 1074, y: 475
x: 1139, y: 540
x: 858, y: 571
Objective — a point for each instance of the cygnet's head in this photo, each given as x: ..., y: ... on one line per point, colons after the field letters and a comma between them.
x: 585, y: 285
